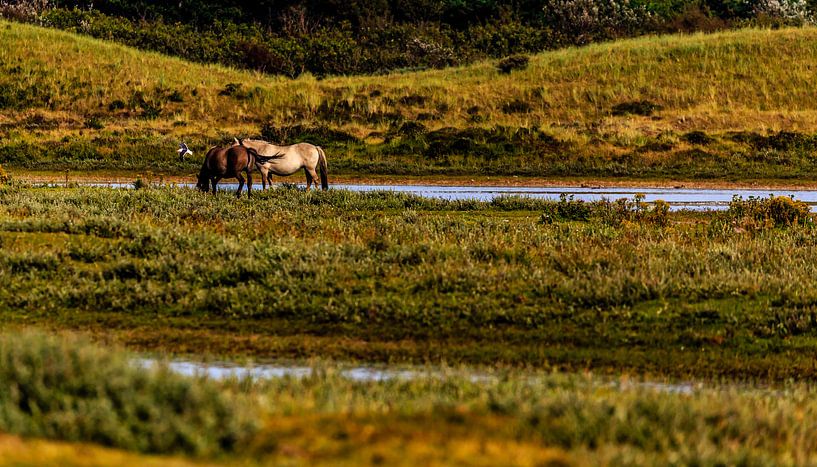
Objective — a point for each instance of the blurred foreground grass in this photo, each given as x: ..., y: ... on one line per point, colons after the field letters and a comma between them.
x: 508, y: 417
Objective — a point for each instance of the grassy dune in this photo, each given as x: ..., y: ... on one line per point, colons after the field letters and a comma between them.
x: 715, y: 105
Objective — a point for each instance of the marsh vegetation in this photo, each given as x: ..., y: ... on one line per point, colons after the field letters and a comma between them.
x: 622, y: 286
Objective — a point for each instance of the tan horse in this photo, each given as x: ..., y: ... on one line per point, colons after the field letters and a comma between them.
x: 286, y: 160
x: 227, y: 163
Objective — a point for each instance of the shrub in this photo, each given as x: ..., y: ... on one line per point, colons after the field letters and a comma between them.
x: 516, y: 106
x: 790, y: 12
x: 412, y: 129
x: 632, y: 210
x: 64, y: 388
x: 139, y: 183
x: 567, y: 209
x: 514, y: 62
x: 693, y: 18
x: 584, y: 21
x: 4, y: 177
x: 756, y: 213
x: 24, y: 10
x: 697, y: 137
x: 281, y: 58
x: 644, y: 108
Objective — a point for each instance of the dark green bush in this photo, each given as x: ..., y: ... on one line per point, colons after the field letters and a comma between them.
x: 645, y: 108
x: 514, y: 62
x: 606, y: 211
x: 631, y: 210
x: 94, y: 123
x: 567, y: 209
x: 63, y: 388
x: 697, y: 137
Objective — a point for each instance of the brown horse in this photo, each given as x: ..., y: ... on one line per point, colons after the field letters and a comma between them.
x: 227, y: 163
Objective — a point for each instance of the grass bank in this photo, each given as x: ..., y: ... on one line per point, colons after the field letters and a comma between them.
x: 731, y: 106
x: 385, y: 277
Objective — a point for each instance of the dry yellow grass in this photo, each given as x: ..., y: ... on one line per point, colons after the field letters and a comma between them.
x: 751, y: 80
x: 18, y: 451
x: 748, y: 79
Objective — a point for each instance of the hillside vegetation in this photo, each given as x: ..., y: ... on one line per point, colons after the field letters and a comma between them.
x: 332, y: 37
x: 736, y: 105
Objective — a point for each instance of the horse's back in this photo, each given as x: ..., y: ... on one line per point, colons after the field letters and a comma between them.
x: 216, y: 160
x: 307, y: 152
x: 238, y: 159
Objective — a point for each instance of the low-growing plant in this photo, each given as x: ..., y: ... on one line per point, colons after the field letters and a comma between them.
x: 4, y: 177
x: 644, y: 107
x: 567, y: 209
x: 94, y: 123
x: 64, y: 388
x: 757, y: 213
x: 514, y: 62
x: 139, y: 183
x: 697, y: 137
x: 632, y: 210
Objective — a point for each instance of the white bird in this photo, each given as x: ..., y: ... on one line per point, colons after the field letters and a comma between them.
x: 183, y: 151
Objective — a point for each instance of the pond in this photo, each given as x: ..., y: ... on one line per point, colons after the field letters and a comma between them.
x: 678, y: 198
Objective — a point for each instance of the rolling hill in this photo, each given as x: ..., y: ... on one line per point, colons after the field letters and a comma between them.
x: 734, y: 105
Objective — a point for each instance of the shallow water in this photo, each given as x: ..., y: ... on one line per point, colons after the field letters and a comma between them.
x: 225, y: 370
x: 228, y: 370
x: 678, y: 198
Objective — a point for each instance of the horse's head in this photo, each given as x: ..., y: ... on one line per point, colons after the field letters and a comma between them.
x: 183, y: 151
x: 203, y: 182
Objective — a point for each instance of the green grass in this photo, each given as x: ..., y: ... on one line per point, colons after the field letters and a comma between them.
x: 69, y: 389
x: 387, y: 277
x: 74, y: 103
x: 66, y: 389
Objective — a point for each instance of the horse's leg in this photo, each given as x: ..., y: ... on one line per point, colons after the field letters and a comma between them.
x: 308, y: 179
x: 269, y: 178
x: 214, y: 182
x: 264, y: 172
x: 249, y: 182
x: 240, y: 184
x: 312, y: 175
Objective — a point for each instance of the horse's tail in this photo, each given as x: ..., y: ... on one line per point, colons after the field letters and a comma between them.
x: 323, y: 168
